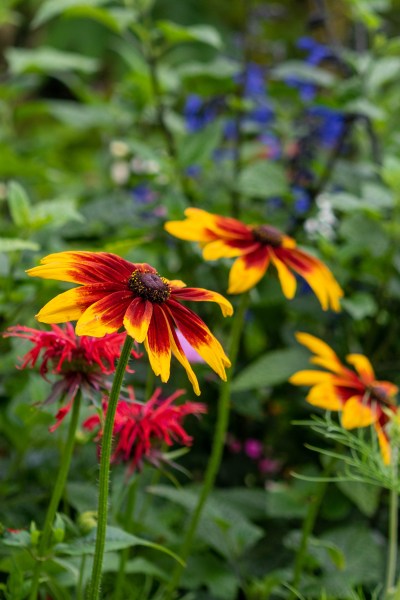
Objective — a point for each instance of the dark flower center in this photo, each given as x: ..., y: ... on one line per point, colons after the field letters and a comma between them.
x: 149, y: 286
x: 267, y: 235
x: 380, y: 395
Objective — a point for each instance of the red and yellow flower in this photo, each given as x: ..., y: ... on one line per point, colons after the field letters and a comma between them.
x: 116, y: 293
x: 140, y: 430
x: 256, y: 246
x: 361, y: 398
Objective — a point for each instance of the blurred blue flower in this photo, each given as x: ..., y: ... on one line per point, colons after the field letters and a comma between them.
x: 142, y: 194
x: 198, y: 113
x: 193, y: 171
x: 328, y: 124
x: 316, y: 53
x: 302, y: 200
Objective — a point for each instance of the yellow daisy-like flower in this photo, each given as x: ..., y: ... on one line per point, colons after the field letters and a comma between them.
x: 116, y: 293
x: 256, y: 246
x: 355, y: 391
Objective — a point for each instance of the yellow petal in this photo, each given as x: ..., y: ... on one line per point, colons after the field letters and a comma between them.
x: 158, y: 344
x: 68, y: 306
x: 286, y: 278
x: 384, y: 444
x: 245, y: 274
x: 181, y: 357
x: 309, y: 377
x: 137, y: 318
x: 357, y: 414
x: 362, y: 366
x: 220, y: 249
x: 324, y: 396
x: 315, y: 345
x: 105, y: 315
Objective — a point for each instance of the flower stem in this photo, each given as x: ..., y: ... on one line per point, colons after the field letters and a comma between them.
x: 56, y: 496
x: 217, y: 448
x: 104, y: 476
x: 130, y: 504
x: 393, y: 527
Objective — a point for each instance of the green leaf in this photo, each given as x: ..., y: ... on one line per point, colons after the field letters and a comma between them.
x: 391, y: 172
x: 382, y: 71
x: 48, y: 61
x: 360, y: 305
x: 55, y: 212
x: 53, y: 8
x: 270, y: 369
x: 177, y: 34
x: 116, y: 539
x: 18, y: 204
x: 263, y: 180
x: 13, y: 244
x: 296, y: 69
x: 196, y: 148
x: 364, y: 496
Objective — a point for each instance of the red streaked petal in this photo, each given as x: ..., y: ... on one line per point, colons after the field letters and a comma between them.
x: 199, y: 337
x: 137, y: 318
x: 286, y: 278
x: 247, y: 271
x: 203, y: 295
x: 70, y: 305
x: 158, y: 344
x: 104, y: 316
x: 362, y: 366
x: 180, y: 355
x: 84, y: 267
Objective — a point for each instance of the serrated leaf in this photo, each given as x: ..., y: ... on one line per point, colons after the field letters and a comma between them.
x: 53, y: 8
x: 263, y: 180
x: 48, y: 61
x: 18, y: 204
x: 270, y: 369
x: 116, y: 539
x: 13, y: 244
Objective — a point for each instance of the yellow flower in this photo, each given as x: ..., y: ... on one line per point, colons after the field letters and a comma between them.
x: 362, y: 399
x: 256, y: 246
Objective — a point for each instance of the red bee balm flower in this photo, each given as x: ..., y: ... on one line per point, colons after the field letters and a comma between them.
x: 359, y: 396
x: 256, y: 246
x: 79, y: 362
x: 116, y: 293
x: 140, y: 429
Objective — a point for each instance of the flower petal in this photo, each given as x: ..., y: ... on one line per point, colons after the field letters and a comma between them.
x: 309, y: 377
x: 199, y: 337
x: 181, y: 357
x: 247, y: 271
x: 357, y: 414
x: 317, y: 275
x: 324, y: 396
x: 84, y: 267
x: 158, y: 344
x: 362, y: 366
x: 70, y: 305
x: 203, y: 295
x: 286, y: 278
x: 384, y: 444
x: 227, y: 249
x: 105, y: 315
x: 137, y: 318
x: 316, y: 345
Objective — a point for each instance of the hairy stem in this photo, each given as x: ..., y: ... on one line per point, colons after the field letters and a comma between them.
x: 104, y: 478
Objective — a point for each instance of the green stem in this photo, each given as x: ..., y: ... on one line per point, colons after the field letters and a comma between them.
x: 217, y: 448
x: 308, y: 526
x: 104, y: 476
x: 393, y: 528
x: 130, y: 504
x: 56, y: 496
x: 79, y: 592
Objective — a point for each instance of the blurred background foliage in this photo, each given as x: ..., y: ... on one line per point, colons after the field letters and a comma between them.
x: 114, y: 117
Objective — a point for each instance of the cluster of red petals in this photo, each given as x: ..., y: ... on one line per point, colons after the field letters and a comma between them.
x: 79, y: 362
x: 61, y: 351
x: 140, y: 429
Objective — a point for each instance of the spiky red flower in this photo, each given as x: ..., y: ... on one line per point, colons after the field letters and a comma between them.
x: 79, y: 362
x: 141, y: 429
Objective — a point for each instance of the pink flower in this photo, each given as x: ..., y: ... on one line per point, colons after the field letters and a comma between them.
x: 253, y: 448
x: 141, y: 429
x: 79, y: 362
